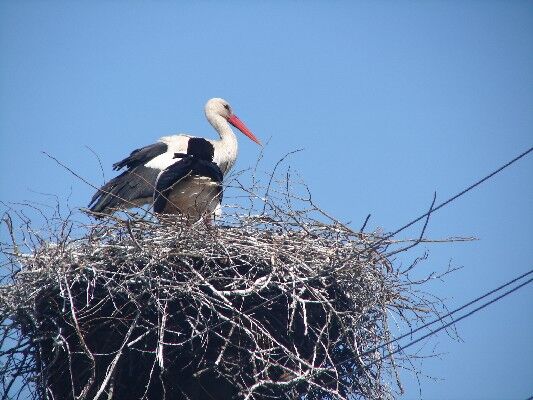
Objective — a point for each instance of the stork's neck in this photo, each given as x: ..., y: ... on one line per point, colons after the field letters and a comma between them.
x: 227, y: 147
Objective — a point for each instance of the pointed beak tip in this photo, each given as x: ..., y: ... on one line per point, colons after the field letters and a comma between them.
x: 236, y: 122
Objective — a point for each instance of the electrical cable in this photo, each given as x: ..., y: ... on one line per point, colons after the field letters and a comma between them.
x: 448, y: 314
x: 432, y: 332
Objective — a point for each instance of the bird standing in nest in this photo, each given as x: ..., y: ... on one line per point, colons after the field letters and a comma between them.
x: 135, y: 186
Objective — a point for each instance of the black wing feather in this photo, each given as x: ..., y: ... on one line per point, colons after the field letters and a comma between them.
x: 201, y: 148
x: 141, y: 156
x: 127, y: 189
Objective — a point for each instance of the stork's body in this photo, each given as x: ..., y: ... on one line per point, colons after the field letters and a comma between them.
x: 135, y: 186
x: 191, y: 186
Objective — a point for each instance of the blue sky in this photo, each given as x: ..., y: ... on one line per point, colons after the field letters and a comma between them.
x: 390, y: 100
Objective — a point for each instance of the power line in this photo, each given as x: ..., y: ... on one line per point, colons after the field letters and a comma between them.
x: 432, y: 332
x: 464, y: 191
x: 475, y: 310
x: 432, y: 210
x: 449, y: 313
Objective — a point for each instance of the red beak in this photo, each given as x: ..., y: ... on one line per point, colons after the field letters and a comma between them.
x: 237, y: 123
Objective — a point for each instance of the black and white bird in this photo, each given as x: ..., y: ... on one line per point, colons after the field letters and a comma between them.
x: 135, y: 186
x: 191, y: 186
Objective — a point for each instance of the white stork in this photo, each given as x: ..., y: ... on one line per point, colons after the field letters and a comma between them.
x: 135, y: 186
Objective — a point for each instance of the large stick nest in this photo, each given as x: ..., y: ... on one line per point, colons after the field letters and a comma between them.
x: 278, y: 305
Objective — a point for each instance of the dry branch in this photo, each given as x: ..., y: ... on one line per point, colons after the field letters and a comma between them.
x: 278, y: 305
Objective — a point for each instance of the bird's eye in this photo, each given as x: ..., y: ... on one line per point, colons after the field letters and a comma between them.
x: 226, y: 106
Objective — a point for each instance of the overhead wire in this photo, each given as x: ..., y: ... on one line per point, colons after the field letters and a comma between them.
x: 454, y: 321
x: 461, y: 193
x: 449, y: 314
x: 433, y: 332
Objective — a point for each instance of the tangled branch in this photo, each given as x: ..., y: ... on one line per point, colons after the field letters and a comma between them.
x: 282, y: 303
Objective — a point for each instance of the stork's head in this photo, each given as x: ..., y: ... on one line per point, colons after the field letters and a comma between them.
x: 221, y: 107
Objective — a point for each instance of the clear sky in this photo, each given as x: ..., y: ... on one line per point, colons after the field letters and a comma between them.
x: 390, y: 100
